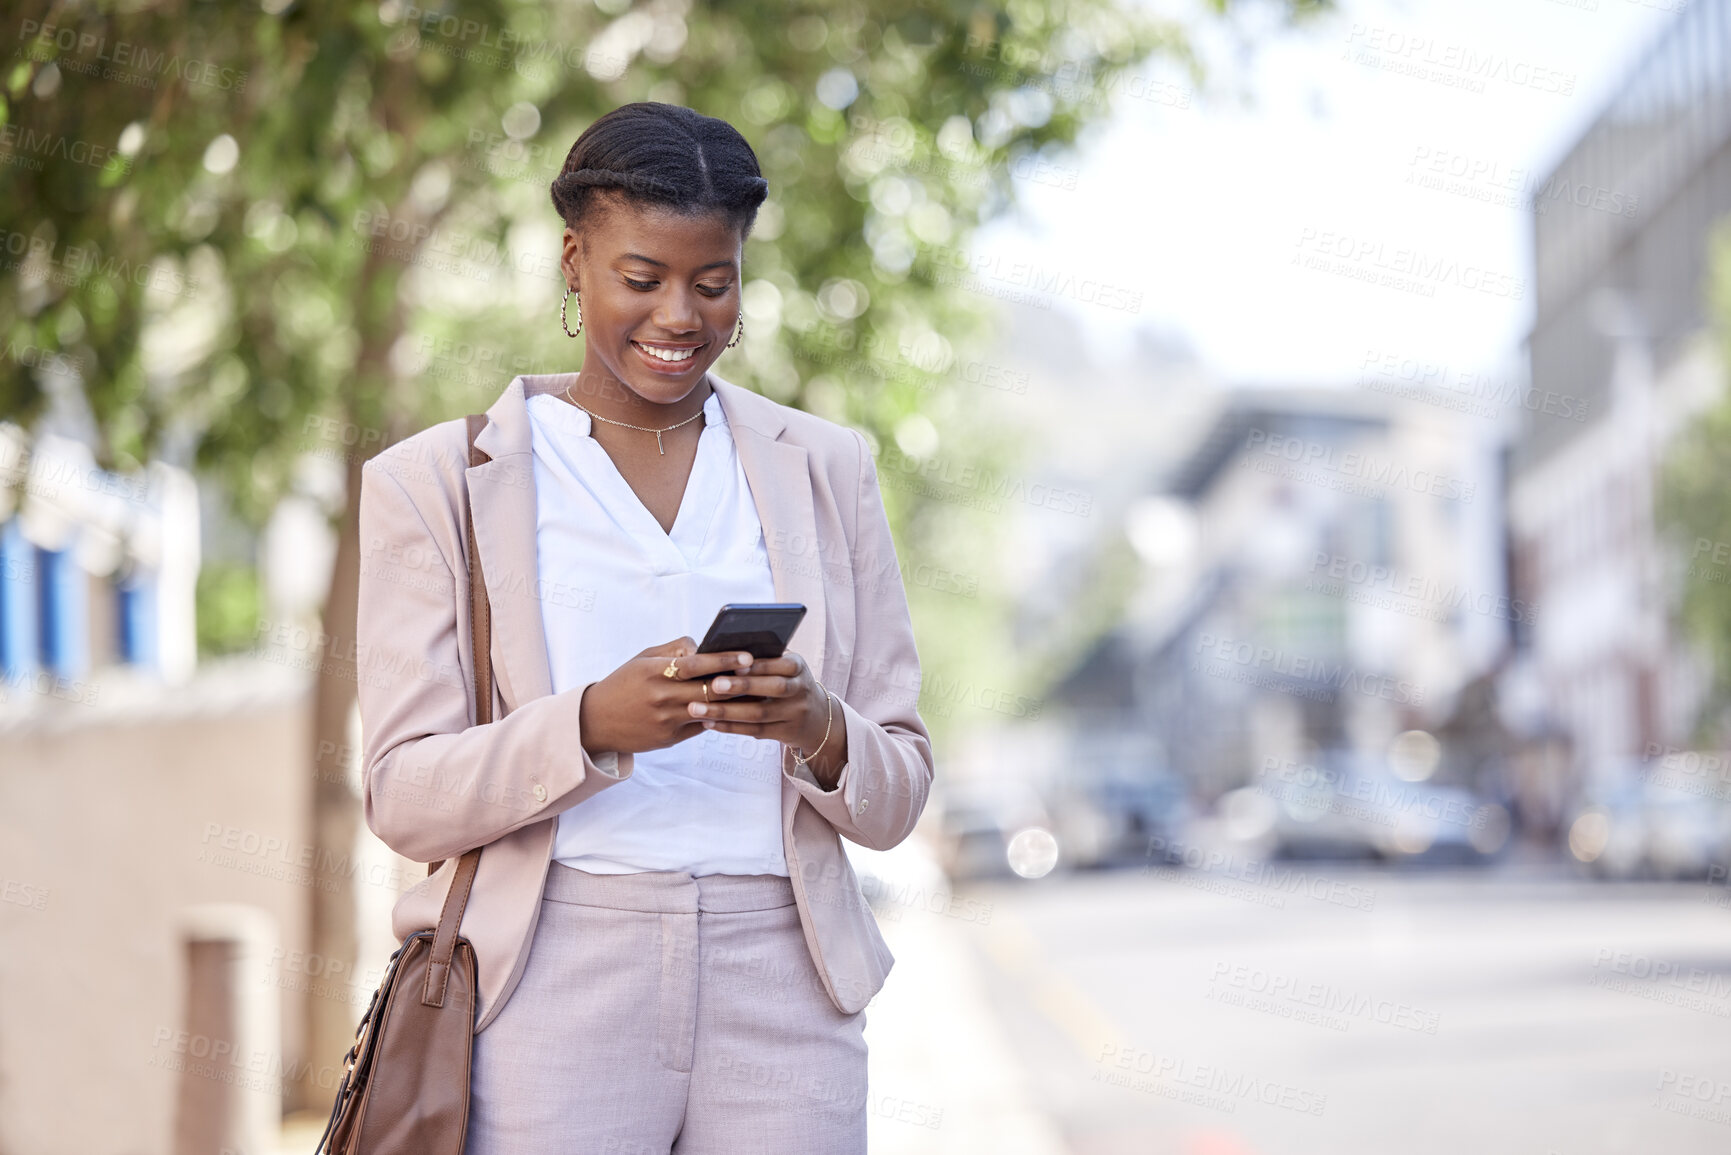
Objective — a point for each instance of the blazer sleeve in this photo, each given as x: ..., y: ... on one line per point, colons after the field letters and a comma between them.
x: 884, y: 784
x: 434, y: 784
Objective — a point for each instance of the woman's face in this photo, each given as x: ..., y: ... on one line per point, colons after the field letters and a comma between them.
x: 660, y: 293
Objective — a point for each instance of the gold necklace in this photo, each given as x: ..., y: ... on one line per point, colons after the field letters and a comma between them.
x: 640, y: 428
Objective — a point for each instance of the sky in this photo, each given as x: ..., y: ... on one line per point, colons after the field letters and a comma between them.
x: 1293, y: 233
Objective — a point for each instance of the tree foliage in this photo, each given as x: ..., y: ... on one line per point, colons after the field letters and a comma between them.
x: 1695, y: 510
x: 266, y: 240
x: 319, y: 227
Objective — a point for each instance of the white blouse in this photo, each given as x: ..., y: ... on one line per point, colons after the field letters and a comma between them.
x: 710, y: 804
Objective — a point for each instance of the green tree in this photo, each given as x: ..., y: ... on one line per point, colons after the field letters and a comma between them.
x: 270, y: 230
x: 1695, y: 512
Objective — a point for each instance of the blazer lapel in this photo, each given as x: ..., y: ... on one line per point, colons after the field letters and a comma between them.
x: 780, y: 480
x: 779, y: 476
x: 502, y: 493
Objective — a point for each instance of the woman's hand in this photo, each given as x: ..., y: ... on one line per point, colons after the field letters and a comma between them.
x: 637, y: 707
x: 795, y: 710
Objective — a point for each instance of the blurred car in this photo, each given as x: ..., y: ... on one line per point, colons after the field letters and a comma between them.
x: 977, y: 823
x: 1116, y: 816
x: 1650, y: 827
x: 1353, y: 808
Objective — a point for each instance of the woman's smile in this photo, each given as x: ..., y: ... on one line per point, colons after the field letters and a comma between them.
x: 667, y: 357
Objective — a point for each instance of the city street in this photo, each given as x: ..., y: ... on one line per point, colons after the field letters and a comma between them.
x: 1346, y: 1010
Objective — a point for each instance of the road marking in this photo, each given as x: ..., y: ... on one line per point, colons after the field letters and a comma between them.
x: 1017, y: 953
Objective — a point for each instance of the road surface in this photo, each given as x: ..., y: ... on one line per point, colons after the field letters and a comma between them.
x: 1321, y: 1009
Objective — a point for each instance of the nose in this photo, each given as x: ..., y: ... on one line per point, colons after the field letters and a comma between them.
x: 676, y: 312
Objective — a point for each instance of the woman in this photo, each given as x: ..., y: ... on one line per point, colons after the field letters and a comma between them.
x: 673, y: 952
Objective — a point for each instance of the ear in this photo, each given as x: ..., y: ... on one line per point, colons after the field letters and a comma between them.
x: 573, y: 250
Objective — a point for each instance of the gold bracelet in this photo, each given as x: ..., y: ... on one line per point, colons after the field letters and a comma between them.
x: 829, y: 719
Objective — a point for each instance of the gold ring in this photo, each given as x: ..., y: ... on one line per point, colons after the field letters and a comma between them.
x: 672, y: 670
x: 705, y: 686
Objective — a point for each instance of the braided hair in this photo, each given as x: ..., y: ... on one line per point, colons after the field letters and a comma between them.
x: 662, y: 154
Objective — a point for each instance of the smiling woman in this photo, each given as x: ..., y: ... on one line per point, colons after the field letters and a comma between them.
x: 663, y: 915
x: 657, y: 202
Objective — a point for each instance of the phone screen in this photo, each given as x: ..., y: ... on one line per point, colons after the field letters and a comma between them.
x: 761, y: 629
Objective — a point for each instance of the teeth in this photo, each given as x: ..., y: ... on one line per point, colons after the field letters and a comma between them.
x: 668, y: 354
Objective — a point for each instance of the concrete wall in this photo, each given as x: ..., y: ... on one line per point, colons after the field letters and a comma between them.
x: 119, y: 817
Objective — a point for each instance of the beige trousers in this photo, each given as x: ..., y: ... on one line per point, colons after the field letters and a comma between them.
x: 665, y: 1014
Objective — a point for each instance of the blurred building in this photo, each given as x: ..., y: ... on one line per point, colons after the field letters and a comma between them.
x: 1323, y: 569
x: 1620, y: 362
x: 97, y: 569
x: 157, y: 857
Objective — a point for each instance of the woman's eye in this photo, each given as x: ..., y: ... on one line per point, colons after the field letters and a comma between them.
x: 640, y: 286
x: 713, y: 290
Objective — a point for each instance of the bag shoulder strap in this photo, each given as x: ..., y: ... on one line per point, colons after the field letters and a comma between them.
x: 481, y: 639
x: 480, y: 610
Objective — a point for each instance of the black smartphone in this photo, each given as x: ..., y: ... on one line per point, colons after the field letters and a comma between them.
x: 761, y: 629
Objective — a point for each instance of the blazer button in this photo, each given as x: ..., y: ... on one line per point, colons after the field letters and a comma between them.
x: 863, y: 803
x: 540, y: 792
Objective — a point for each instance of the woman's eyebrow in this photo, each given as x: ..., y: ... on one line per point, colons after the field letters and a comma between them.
x: 728, y: 264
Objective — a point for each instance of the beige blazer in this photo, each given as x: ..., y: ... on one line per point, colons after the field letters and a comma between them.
x: 435, y: 784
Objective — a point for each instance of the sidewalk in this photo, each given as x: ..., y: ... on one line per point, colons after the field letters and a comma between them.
x: 944, y: 1077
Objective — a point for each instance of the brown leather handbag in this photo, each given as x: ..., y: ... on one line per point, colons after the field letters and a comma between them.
x: 405, y: 1088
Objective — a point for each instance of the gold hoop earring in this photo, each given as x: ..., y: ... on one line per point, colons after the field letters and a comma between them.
x: 737, y: 333
x: 563, y: 323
